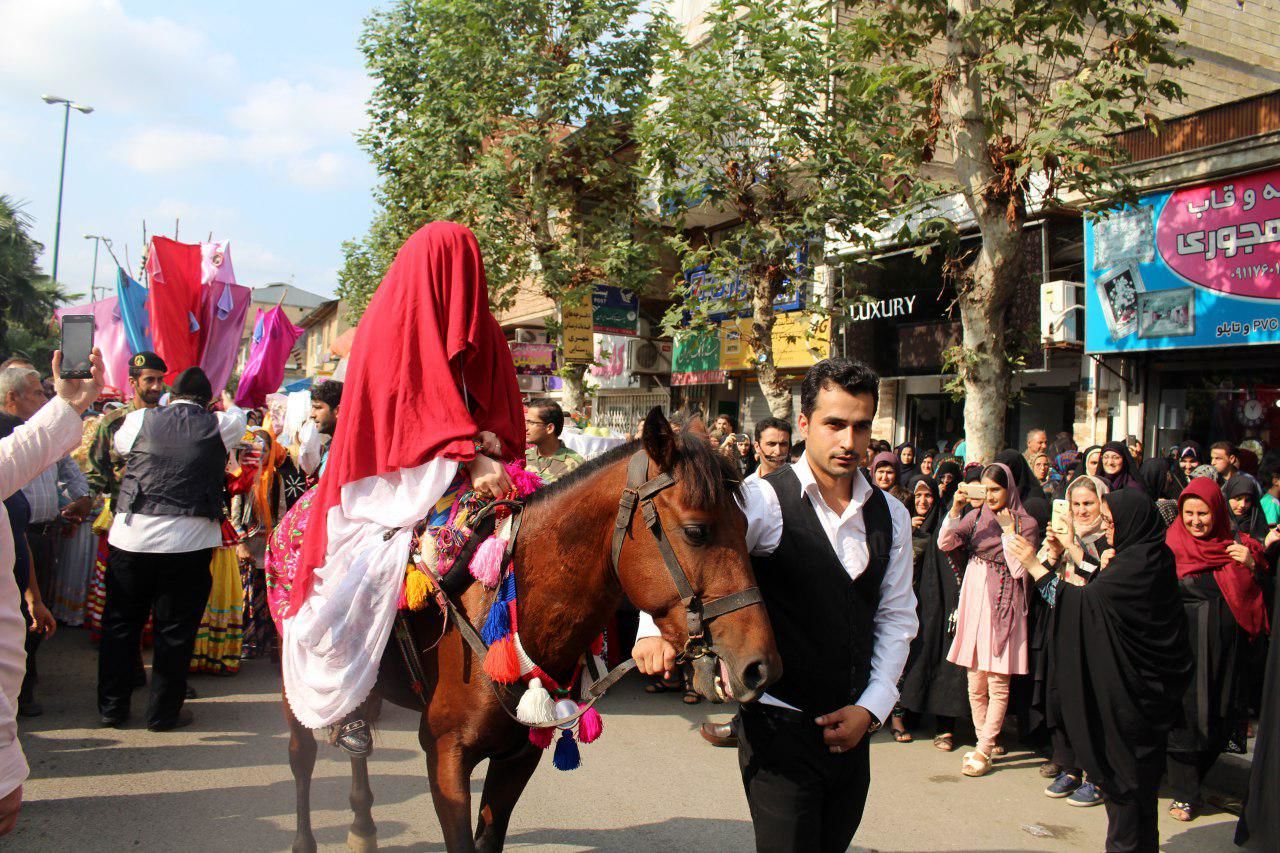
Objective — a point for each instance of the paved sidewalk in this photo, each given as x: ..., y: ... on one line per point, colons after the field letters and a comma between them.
x: 224, y: 783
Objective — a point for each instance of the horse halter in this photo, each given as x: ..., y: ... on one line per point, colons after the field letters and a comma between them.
x: 640, y: 490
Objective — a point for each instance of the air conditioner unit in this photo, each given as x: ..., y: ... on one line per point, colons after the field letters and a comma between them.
x: 531, y: 384
x: 648, y: 356
x: 530, y: 336
x: 1061, y: 312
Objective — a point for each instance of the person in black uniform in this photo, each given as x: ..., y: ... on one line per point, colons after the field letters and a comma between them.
x: 833, y: 560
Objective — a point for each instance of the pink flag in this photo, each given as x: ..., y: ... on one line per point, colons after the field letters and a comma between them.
x: 108, y: 336
x: 273, y: 338
x: 221, y: 324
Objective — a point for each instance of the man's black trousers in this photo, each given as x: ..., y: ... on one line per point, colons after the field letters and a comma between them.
x: 802, y: 796
x: 177, y: 587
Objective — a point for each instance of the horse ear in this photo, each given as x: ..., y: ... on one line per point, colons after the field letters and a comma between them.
x: 659, y: 439
x: 698, y: 426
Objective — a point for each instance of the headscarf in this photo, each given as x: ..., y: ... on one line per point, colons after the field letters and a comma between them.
x: 1120, y: 658
x: 1028, y: 487
x: 1176, y: 474
x: 429, y: 370
x: 1100, y: 488
x: 273, y: 454
x: 1089, y: 452
x: 929, y: 526
x: 1209, y: 554
x: 1154, y: 474
x: 973, y: 472
x: 885, y: 457
x: 1253, y: 522
x: 907, y: 472
x: 981, y: 530
x: 1248, y: 461
x: 951, y: 467
x: 1127, y: 477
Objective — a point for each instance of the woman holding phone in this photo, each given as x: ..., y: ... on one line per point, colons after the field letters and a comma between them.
x: 1120, y: 660
x: 991, y: 624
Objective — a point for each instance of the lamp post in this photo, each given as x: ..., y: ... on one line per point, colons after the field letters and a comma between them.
x: 68, y: 106
x: 98, y: 240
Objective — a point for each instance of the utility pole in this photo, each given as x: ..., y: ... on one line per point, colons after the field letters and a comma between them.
x: 68, y: 106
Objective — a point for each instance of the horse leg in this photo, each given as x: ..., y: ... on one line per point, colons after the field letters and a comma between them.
x: 302, y: 761
x: 363, y: 834
x: 503, y: 784
x: 450, y: 774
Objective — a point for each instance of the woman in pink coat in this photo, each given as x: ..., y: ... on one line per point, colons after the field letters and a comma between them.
x: 991, y: 617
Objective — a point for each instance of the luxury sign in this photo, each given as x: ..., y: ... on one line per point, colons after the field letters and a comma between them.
x: 883, y: 309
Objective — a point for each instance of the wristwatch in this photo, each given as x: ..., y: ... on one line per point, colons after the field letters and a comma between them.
x: 875, y: 725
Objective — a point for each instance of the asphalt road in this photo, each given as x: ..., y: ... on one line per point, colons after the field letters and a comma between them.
x: 649, y: 783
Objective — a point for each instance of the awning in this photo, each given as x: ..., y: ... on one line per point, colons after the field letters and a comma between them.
x: 298, y: 385
x: 341, y: 346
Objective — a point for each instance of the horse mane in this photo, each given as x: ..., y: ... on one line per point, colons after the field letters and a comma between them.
x: 707, y: 478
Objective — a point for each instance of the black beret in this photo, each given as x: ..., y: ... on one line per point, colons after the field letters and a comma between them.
x: 193, y: 383
x: 145, y: 361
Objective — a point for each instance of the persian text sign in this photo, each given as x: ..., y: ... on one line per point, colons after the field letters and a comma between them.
x: 1194, y: 267
x: 534, y: 359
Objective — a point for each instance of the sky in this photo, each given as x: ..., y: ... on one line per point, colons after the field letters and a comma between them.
x: 237, y: 119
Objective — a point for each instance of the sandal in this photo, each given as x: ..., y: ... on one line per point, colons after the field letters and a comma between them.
x: 692, y: 697
x: 944, y: 743
x: 1181, y: 811
x: 902, y: 736
x: 976, y: 763
x: 660, y: 686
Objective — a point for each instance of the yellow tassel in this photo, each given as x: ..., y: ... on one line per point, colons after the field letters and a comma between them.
x: 416, y: 590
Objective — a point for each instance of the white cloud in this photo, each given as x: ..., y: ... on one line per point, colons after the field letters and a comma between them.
x: 172, y: 149
x: 91, y: 50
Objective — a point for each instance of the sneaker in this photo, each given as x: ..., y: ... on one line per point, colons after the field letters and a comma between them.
x: 1086, y: 795
x: 1064, y: 786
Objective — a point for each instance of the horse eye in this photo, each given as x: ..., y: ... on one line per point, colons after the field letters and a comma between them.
x: 697, y: 534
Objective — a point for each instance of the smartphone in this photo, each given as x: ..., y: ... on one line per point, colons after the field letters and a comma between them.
x: 76, y: 346
x: 1060, y: 510
x: 975, y: 491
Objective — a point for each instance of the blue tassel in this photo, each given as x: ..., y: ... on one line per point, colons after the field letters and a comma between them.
x: 498, y: 625
x: 566, y: 756
x: 507, y: 591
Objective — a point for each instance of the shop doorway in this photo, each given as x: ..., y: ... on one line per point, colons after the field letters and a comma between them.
x: 935, y: 421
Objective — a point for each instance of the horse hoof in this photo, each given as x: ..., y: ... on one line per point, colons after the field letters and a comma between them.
x: 362, y: 843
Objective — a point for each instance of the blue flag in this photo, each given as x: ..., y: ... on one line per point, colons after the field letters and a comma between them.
x: 133, y: 312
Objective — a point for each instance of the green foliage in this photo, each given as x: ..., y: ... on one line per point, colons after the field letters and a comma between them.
x: 27, y: 297
x: 511, y: 117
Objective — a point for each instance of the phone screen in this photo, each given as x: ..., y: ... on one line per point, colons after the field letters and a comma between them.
x: 77, y: 344
x: 1060, y: 510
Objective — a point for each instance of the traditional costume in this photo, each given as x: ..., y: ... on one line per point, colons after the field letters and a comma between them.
x: 429, y: 370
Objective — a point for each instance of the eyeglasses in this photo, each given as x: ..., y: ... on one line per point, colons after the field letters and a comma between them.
x: 529, y: 422
x: 1108, y: 521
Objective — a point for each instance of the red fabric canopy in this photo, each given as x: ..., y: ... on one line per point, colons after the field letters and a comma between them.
x: 430, y: 369
x: 175, y: 297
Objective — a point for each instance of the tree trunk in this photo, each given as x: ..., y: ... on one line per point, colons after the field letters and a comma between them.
x: 574, y: 396
x: 988, y: 285
x: 776, y: 393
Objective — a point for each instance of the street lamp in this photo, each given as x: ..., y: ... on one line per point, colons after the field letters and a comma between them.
x: 98, y: 240
x: 68, y: 106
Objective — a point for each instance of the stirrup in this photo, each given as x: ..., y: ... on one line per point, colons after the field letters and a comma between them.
x: 355, y: 738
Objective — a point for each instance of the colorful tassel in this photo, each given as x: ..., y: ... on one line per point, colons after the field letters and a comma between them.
x: 498, y: 623
x: 507, y: 592
x: 566, y: 756
x: 501, y: 663
x: 541, y: 738
x: 535, y: 707
x: 590, y: 726
x: 486, y: 565
x: 416, y: 590
x: 523, y: 481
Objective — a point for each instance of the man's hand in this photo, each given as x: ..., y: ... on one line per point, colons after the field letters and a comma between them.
x: 79, y: 393
x: 10, y: 805
x: 844, y: 729
x: 490, y: 444
x: 78, y: 509
x: 654, y: 656
x: 489, y: 477
x: 42, y: 621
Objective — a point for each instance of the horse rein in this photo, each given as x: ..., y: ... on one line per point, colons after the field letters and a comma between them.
x: 640, y: 490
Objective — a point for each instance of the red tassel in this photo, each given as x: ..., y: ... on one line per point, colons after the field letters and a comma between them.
x: 590, y: 726
x: 501, y: 663
x: 541, y: 738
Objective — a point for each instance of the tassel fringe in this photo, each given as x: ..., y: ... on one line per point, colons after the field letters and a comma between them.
x: 541, y: 738
x: 501, y: 663
x: 590, y: 726
x: 566, y: 755
x: 486, y: 564
x: 536, y: 707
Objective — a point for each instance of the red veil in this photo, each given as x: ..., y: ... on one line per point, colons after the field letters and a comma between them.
x: 429, y: 369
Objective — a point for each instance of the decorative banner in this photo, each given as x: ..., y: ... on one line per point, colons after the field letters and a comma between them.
x: 534, y: 359
x: 696, y: 358
x: 1194, y: 267
x: 575, y: 332
x: 611, y: 368
x: 614, y: 311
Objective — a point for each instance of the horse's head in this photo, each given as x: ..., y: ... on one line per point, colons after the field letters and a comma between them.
x: 731, y: 644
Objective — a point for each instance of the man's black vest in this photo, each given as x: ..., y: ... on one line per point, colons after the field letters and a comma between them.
x: 176, y: 465
x: 823, y: 622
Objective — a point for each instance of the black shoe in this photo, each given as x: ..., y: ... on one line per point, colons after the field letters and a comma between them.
x: 30, y: 708
x: 718, y: 734
x: 355, y: 737
x: 112, y: 722
x: 191, y: 692
x: 140, y: 679
x: 183, y: 719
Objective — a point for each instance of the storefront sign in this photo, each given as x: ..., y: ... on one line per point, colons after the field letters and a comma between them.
x: 696, y: 358
x: 614, y: 311
x: 575, y: 332
x: 796, y: 343
x: 883, y: 309
x: 534, y: 359
x: 727, y: 300
x: 1195, y: 267
x: 611, y: 368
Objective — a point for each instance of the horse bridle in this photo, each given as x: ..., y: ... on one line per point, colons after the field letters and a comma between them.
x: 640, y: 490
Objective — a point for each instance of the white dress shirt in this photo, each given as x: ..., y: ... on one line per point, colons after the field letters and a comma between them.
x: 169, y: 534
x: 895, y: 619
x: 62, y: 479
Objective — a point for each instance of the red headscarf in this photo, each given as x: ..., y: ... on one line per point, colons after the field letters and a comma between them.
x: 1209, y: 554
x: 429, y: 369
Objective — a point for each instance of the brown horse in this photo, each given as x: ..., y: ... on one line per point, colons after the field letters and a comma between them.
x: 568, y: 589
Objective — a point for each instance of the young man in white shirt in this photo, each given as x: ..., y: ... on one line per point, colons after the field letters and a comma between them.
x: 832, y: 558
x: 167, y: 523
